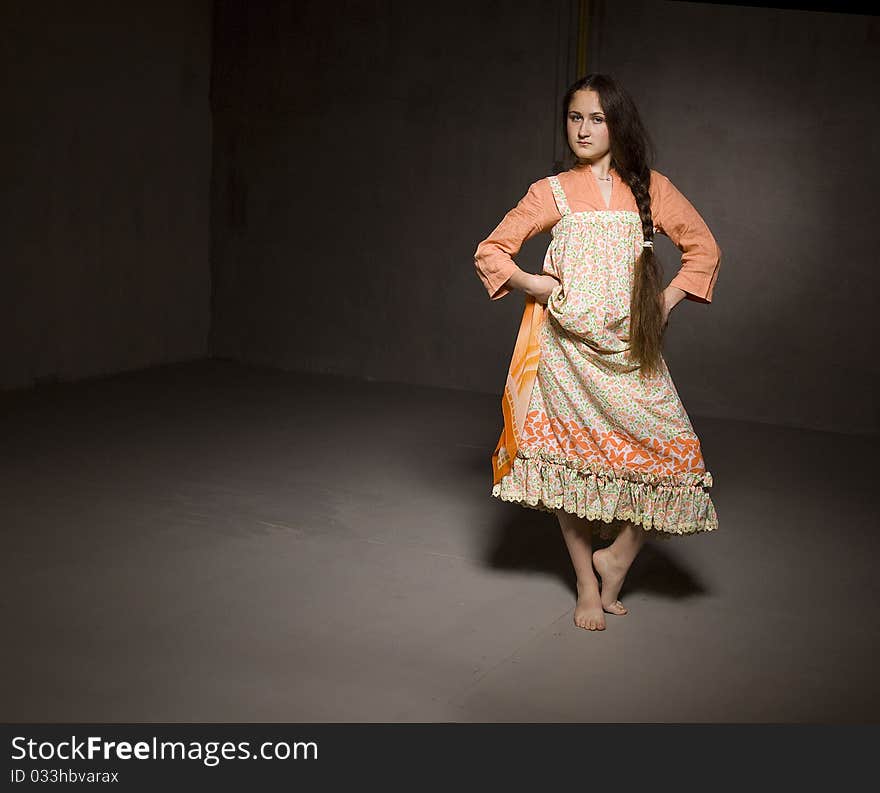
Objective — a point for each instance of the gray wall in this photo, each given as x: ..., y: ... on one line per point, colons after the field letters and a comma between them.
x: 362, y: 150
x: 106, y: 162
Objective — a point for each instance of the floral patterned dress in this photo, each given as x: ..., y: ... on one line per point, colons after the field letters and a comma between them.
x: 591, y: 436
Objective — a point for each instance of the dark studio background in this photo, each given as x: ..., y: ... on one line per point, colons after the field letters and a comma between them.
x: 302, y: 185
x: 251, y: 381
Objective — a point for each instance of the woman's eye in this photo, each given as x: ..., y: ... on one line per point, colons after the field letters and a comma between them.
x: 598, y: 120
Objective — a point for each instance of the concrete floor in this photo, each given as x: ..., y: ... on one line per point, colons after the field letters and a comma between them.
x: 216, y: 542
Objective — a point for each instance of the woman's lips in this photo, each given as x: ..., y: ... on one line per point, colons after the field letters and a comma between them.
x: 583, y: 143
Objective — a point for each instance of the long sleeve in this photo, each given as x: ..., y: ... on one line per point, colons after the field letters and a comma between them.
x: 493, y: 259
x: 675, y: 217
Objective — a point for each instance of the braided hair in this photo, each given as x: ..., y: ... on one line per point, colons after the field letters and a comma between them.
x: 632, y: 153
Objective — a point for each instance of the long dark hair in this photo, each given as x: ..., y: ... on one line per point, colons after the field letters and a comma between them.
x: 632, y: 153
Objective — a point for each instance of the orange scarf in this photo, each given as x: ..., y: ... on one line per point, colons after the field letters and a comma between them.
x: 518, y: 388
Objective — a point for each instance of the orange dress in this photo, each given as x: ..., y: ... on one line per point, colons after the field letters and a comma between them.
x: 583, y: 431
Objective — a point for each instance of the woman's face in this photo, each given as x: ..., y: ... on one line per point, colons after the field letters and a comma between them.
x: 587, y: 130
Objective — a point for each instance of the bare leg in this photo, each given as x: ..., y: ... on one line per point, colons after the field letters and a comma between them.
x: 613, y: 562
x: 588, y: 612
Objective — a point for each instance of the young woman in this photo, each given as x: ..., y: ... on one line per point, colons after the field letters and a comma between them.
x: 594, y: 429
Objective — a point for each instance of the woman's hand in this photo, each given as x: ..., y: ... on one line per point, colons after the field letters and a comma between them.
x: 672, y: 296
x: 541, y: 286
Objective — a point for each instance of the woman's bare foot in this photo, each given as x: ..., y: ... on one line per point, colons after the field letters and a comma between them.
x: 588, y: 611
x: 612, y: 571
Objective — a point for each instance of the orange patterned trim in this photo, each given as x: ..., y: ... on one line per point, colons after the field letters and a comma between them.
x: 677, y: 455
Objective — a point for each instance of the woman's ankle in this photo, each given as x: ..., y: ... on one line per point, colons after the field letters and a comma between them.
x: 587, y: 585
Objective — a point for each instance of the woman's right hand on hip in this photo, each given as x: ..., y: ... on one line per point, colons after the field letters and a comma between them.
x: 541, y: 287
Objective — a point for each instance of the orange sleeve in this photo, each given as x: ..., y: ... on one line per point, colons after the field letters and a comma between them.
x: 675, y: 217
x: 493, y: 259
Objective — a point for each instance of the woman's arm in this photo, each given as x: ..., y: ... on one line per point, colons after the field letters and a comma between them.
x: 529, y: 283
x: 493, y: 258
x: 676, y: 217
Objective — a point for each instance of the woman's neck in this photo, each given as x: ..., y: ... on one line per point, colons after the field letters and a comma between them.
x: 601, y: 168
